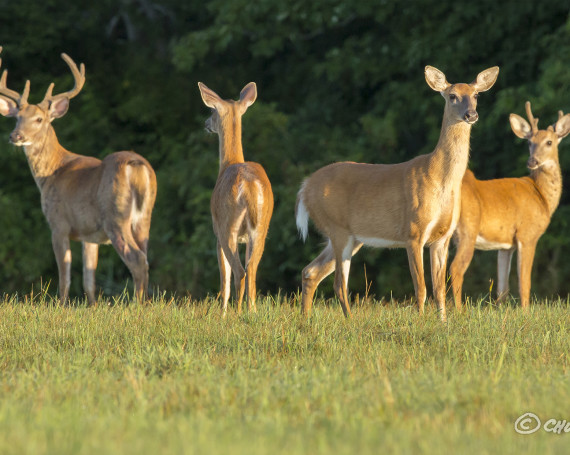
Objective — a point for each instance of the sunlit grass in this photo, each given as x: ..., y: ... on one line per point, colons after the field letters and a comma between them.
x: 174, y: 376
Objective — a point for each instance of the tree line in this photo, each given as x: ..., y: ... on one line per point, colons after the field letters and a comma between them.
x: 336, y: 80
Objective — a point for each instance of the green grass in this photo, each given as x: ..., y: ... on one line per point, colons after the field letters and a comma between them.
x: 175, y: 377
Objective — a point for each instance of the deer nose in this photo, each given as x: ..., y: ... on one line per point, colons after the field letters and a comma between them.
x: 471, y: 116
x: 16, y: 137
x: 532, y: 163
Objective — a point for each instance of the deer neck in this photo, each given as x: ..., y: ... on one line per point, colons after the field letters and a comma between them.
x: 45, y: 157
x: 231, y: 150
x: 548, y: 181
x: 448, y: 161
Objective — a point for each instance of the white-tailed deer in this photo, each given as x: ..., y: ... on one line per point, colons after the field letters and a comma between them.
x: 406, y: 205
x: 83, y: 198
x: 242, y: 200
x: 512, y: 213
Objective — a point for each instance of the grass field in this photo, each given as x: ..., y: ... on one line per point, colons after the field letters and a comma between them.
x: 174, y: 377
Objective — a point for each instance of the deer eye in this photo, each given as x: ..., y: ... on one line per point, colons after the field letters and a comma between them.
x: 39, y: 120
x: 549, y: 143
x: 452, y: 97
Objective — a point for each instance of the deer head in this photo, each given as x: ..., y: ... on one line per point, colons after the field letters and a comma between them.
x: 226, y: 111
x: 33, y: 120
x: 461, y: 99
x: 543, y: 144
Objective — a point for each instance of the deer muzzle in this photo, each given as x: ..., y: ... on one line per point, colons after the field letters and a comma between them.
x: 17, y: 138
x: 471, y: 116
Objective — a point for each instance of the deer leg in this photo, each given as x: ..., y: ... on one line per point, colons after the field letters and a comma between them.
x: 60, y: 244
x: 90, y: 257
x: 230, y: 250
x: 460, y: 264
x: 503, y: 271
x: 133, y: 257
x: 525, y: 258
x: 438, y: 260
x: 343, y: 254
x: 225, y: 277
x: 416, y: 263
x: 321, y: 267
x: 255, y: 247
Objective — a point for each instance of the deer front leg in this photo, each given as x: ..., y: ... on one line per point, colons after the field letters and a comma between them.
x: 525, y: 258
x: 503, y: 272
x: 416, y: 263
x: 90, y: 258
x: 460, y: 264
x: 60, y: 244
x: 438, y: 260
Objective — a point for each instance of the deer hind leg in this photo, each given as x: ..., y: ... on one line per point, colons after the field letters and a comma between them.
x: 60, y: 244
x: 504, y: 258
x: 230, y: 250
x: 321, y: 267
x: 134, y: 258
x: 254, y: 251
x: 90, y: 258
x: 416, y: 262
x: 460, y: 264
x: 438, y: 261
x: 225, y: 277
x: 343, y: 255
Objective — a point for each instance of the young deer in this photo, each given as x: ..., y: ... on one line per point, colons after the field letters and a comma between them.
x: 406, y: 205
x: 83, y: 198
x: 242, y: 201
x: 511, y: 213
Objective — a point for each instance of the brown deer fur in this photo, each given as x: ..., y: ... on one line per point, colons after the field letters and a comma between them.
x: 83, y: 198
x: 512, y: 213
x: 242, y: 200
x: 406, y: 205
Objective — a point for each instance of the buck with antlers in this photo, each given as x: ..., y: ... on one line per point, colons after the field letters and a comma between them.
x: 406, y: 205
x: 512, y: 213
x: 83, y: 198
x: 242, y: 200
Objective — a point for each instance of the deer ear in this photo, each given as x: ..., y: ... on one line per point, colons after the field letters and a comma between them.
x: 248, y: 95
x: 436, y: 79
x: 8, y: 107
x: 210, y: 98
x: 520, y: 126
x: 562, y: 127
x: 486, y: 79
x: 58, y: 108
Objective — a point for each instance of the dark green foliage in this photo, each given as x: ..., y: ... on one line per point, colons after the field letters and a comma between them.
x: 337, y: 80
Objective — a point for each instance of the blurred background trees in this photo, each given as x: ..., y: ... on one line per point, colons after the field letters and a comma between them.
x: 337, y: 80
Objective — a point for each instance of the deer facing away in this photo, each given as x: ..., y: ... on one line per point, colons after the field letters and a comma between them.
x: 512, y: 213
x: 242, y: 200
x: 406, y: 205
x: 83, y: 198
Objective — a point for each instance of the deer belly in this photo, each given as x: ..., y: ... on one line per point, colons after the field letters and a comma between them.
x: 380, y: 243
x: 481, y: 243
x: 98, y: 237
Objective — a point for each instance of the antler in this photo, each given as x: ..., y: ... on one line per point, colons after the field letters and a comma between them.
x: 531, y: 119
x: 79, y: 77
x: 22, y: 99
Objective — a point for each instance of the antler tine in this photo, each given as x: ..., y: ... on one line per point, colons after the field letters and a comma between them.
x: 560, y: 114
x: 78, y: 76
x: 4, y: 90
x: 531, y: 119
